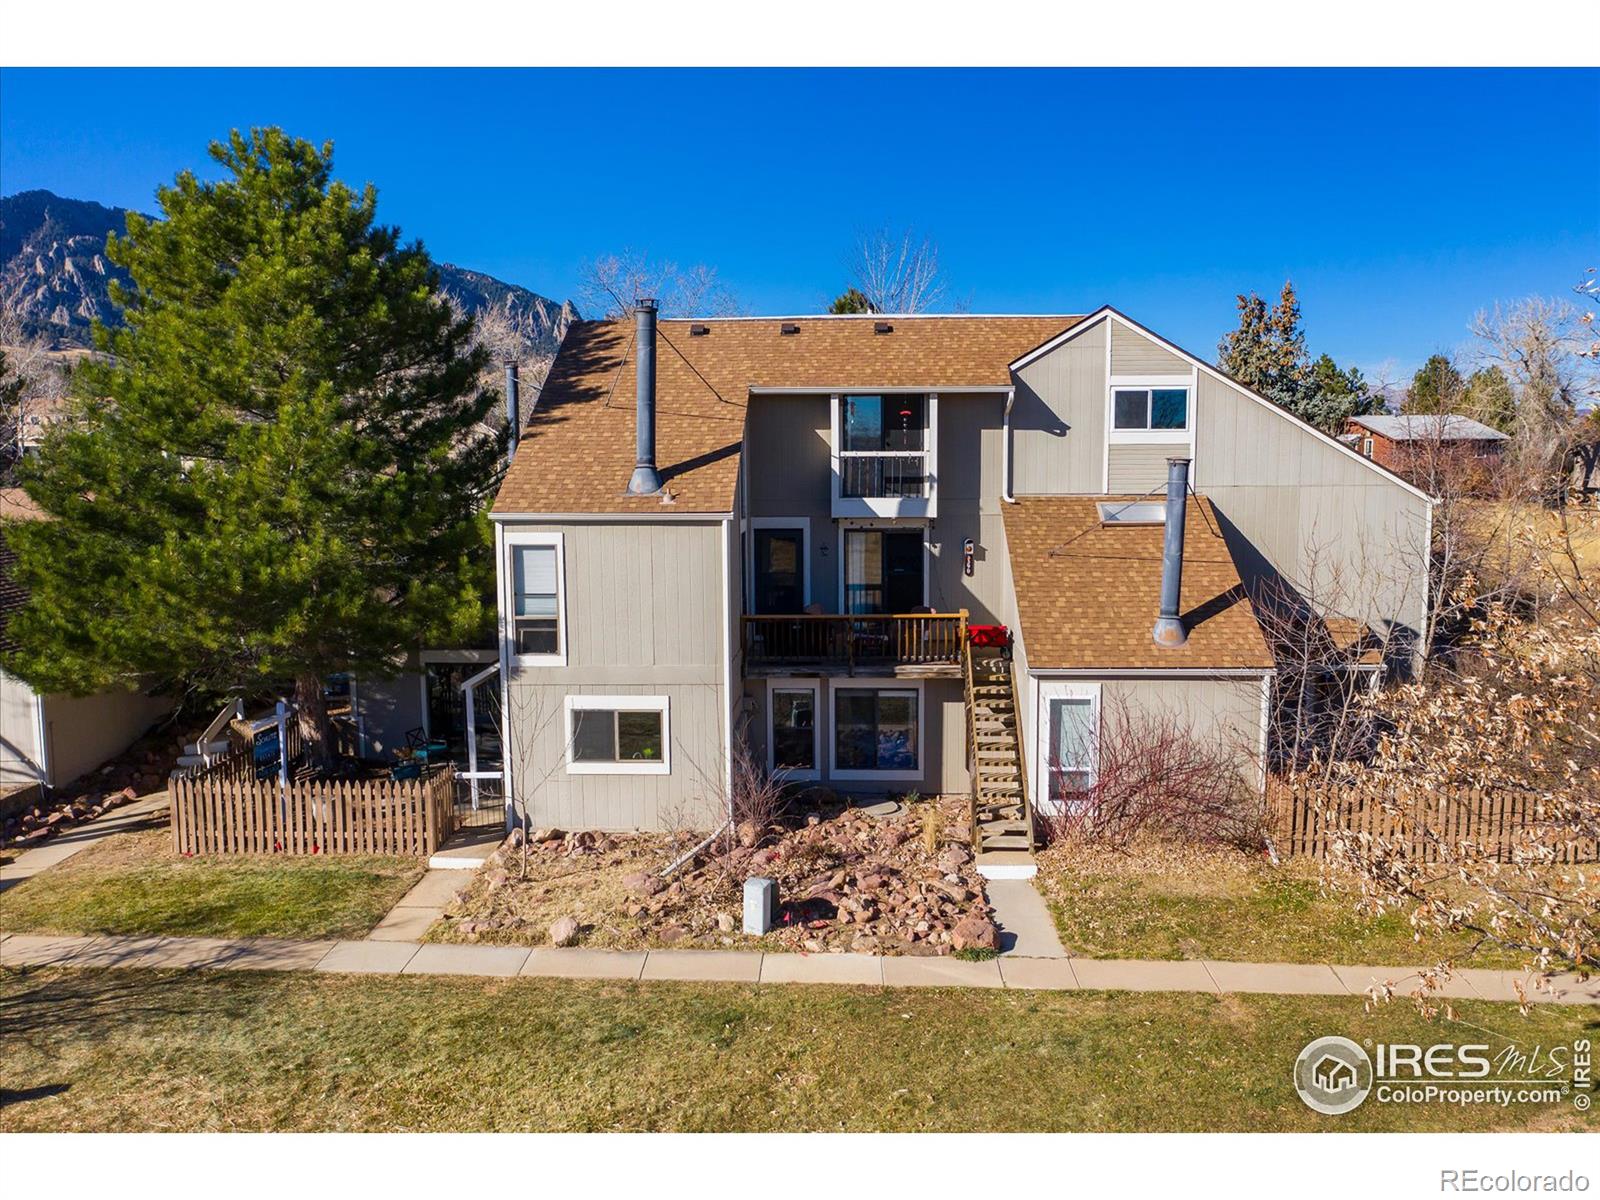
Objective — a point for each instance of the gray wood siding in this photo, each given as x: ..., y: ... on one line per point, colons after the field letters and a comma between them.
x: 1137, y: 469
x: 1134, y: 354
x: 1299, y: 511
x: 790, y: 474
x: 644, y: 608
x: 688, y: 798
x: 1059, y: 418
x: 1222, y: 711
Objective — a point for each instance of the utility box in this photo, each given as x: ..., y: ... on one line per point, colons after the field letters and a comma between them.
x: 760, y: 905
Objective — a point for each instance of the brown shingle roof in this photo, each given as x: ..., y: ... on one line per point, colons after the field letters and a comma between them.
x: 1088, y: 594
x: 577, y: 446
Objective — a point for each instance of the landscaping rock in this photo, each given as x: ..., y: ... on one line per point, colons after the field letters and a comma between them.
x: 642, y: 883
x: 564, y: 932
x: 973, y: 932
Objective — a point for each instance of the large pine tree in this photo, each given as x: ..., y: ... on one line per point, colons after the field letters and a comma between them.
x: 277, y: 467
x: 1267, y: 352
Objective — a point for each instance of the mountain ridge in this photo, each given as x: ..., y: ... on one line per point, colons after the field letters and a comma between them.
x: 53, y: 262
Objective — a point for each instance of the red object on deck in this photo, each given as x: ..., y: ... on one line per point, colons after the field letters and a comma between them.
x: 997, y: 636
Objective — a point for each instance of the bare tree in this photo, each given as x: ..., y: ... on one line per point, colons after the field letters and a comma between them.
x: 1542, y: 345
x: 897, y: 273
x: 611, y: 283
x: 35, y: 378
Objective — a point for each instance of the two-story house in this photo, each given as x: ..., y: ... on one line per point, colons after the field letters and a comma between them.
x: 781, y: 534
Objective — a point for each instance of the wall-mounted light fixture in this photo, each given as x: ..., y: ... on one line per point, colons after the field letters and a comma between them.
x: 968, y: 557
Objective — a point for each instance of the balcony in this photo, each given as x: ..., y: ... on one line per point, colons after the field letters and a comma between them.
x: 899, y: 645
x: 885, y: 458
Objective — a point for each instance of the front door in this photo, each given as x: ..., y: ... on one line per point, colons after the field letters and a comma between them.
x: 780, y: 570
x: 883, y: 570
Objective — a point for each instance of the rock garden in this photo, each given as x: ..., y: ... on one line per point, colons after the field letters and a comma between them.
x: 892, y: 878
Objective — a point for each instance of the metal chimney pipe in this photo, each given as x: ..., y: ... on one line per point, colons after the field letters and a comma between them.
x: 646, y: 480
x: 513, y: 410
x: 1169, y: 629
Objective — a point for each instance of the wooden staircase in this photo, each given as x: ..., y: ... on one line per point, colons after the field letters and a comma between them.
x: 1002, y: 818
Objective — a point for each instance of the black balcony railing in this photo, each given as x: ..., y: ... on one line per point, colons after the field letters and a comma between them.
x: 884, y: 476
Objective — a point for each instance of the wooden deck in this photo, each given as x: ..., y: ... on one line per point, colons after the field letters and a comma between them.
x: 891, y: 645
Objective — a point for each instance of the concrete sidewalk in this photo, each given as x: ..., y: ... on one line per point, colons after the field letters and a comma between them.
x: 143, y: 813
x: 753, y: 967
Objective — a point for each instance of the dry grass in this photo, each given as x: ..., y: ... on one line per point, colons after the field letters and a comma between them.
x: 1514, y: 533
x: 1160, y: 900
x: 133, y: 883
x: 150, y: 1050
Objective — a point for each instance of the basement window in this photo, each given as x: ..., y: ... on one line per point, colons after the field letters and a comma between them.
x: 1137, y: 512
x: 617, y: 735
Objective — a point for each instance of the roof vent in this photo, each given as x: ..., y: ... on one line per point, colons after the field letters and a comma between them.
x: 698, y: 330
x: 882, y: 327
x: 788, y: 327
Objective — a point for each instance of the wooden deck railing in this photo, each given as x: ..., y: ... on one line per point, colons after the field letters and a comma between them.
x: 859, y: 640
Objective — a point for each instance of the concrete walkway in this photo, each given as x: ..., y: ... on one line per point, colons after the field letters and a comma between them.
x: 137, y: 814
x: 1026, y: 928
x: 420, y: 907
x: 738, y: 966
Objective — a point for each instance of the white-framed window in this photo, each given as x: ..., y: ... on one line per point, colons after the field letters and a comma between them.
x: 535, y: 602
x: 1150, y: 409
x: 1068, y: 738
x: 618, y: 735
x: 885, y: 453
x: 1366, y: 447
x: 794, y: 727
x: 877, y: 729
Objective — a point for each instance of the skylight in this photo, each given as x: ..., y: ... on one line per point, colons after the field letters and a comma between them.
x: 1135, y: 512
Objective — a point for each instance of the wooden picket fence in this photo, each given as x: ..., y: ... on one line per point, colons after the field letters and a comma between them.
x: 232, y: 812
x: 1303, y: 820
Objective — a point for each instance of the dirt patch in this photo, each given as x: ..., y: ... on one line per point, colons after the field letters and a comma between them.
x: 847, y: 881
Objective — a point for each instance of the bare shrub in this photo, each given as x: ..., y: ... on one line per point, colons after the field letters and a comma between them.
x: 759, y: 797
x: 1154, y: 775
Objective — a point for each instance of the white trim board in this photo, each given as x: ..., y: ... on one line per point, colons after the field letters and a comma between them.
x: 1107, y: 314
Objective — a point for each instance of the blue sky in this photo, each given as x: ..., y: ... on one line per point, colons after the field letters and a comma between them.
x: 1400, y: 202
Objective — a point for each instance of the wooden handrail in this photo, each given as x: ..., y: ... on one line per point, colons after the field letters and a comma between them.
x: 972, y: 739
x: 960, y: 616
x: 1022, y: 758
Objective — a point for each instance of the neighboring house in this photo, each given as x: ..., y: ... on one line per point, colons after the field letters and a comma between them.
x: 1422, y: 447
x: 52, y: 740
x: 841, y: 498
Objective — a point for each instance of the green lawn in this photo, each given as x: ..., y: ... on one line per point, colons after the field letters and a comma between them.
x: 134, y: 884
x: 1175, y: 903
x: 147, y: 1050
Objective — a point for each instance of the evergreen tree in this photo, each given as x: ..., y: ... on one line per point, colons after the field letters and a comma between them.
x: 1437, y: 387
x: 851, y: 301
x: 1490, y: 398
x: 1268, y: 350
x: 1336, y: 395
x: 276, y: 469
